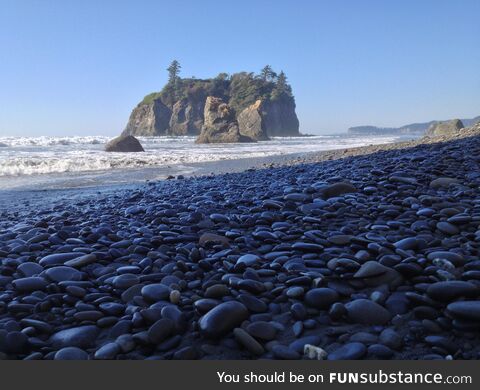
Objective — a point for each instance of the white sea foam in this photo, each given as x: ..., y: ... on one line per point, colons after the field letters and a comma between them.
x: 46, y: 155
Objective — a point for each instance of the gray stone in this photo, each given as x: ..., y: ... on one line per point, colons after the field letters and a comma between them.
x: 364, y: 311
x: 124, y: 144
x: 252, y: 345
x: 81, y: 337
x: 465, y: 310
x: 71, y: 353
x: 63, y: 273
x: 155, y: 292
x: 451, y: 290
x: 350, y: 351
x: 223, y: 318
x: 321, y: 298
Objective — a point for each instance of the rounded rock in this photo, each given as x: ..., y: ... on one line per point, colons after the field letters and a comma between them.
x: 223, y: 318
x: 71, y: 353
x: 155, y: 292
x: 321, y: 298
x: 364, y: 311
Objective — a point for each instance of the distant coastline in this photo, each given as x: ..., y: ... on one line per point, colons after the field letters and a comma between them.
x: 412, y: 128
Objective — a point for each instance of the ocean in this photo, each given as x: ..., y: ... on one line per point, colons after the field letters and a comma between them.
x: 71, y: 162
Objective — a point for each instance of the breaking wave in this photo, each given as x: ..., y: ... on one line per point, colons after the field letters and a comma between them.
x: 45, y: 155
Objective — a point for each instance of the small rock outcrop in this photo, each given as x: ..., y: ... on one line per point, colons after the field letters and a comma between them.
x: 220, y: 125
x: 451, y: 127
x: 124, y: 143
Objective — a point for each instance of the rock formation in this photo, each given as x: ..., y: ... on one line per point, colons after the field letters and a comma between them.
x: 251, y: 122
x: 149, y: 120
x: 264, y: 110
x: 186, y: 117
x: 280, y: 118
x: 451, y: 127
x: 220, y: 125
x: 124, y: 143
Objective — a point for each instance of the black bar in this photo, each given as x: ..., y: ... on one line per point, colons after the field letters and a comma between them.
x: 205, y: 374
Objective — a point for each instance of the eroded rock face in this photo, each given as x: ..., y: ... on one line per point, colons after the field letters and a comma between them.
x: 264, y: 119
x: 149, y: 120
x: 280, y: 118
x: 186, y: 117
x: 251, y: 122
x: 124, y: 143
x: 220, y: 125
x: 445, y: 128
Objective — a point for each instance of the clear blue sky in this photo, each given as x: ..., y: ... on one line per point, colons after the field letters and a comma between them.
x: 79, y: 67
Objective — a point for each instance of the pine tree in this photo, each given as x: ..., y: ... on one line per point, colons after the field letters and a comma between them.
x: 173, y: 72
x: 267, y: 73
x: 174, y: 78
x: 281, y: 86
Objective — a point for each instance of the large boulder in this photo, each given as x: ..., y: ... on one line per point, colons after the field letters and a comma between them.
x: 220, y: 125
x: 449, y: 128
x: 149, y: 120
x: 124, y: 143
x: 251, y: 122
x: 186, y: 117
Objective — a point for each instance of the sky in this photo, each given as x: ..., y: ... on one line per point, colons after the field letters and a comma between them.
x: 71, y: 67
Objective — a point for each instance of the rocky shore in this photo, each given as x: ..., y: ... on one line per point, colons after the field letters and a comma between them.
x: 368, y: 253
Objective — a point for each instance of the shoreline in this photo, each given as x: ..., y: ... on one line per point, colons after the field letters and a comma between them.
x: 65, y: 188
x: 155, y: 163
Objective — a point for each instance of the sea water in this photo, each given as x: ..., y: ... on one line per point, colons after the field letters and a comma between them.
x: 63, y: 162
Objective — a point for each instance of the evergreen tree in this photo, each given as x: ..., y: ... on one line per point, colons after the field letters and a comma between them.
x: 222, y: 76
x: 281, y: 86
x: 267, y: 73
x: 173, y: 72
x: 173, y: 85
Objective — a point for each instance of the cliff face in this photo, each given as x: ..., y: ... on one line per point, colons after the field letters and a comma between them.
x: 260, y: 106
x: 269, y: 118
x: 186, y: 118
x: 149, y: 120
x: 280, y: 118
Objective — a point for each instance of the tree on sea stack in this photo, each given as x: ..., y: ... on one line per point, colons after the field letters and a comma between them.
x: 173, y: 72
x: 281, y: 86
x: 267, y: 73
x: 174, y: 77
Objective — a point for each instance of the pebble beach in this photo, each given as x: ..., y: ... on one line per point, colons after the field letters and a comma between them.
x: 364, y: 253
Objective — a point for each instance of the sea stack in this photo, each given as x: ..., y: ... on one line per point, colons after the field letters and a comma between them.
x: 263, y: 104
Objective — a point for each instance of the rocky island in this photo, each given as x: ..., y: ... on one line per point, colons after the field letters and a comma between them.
x: 261, y: 106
